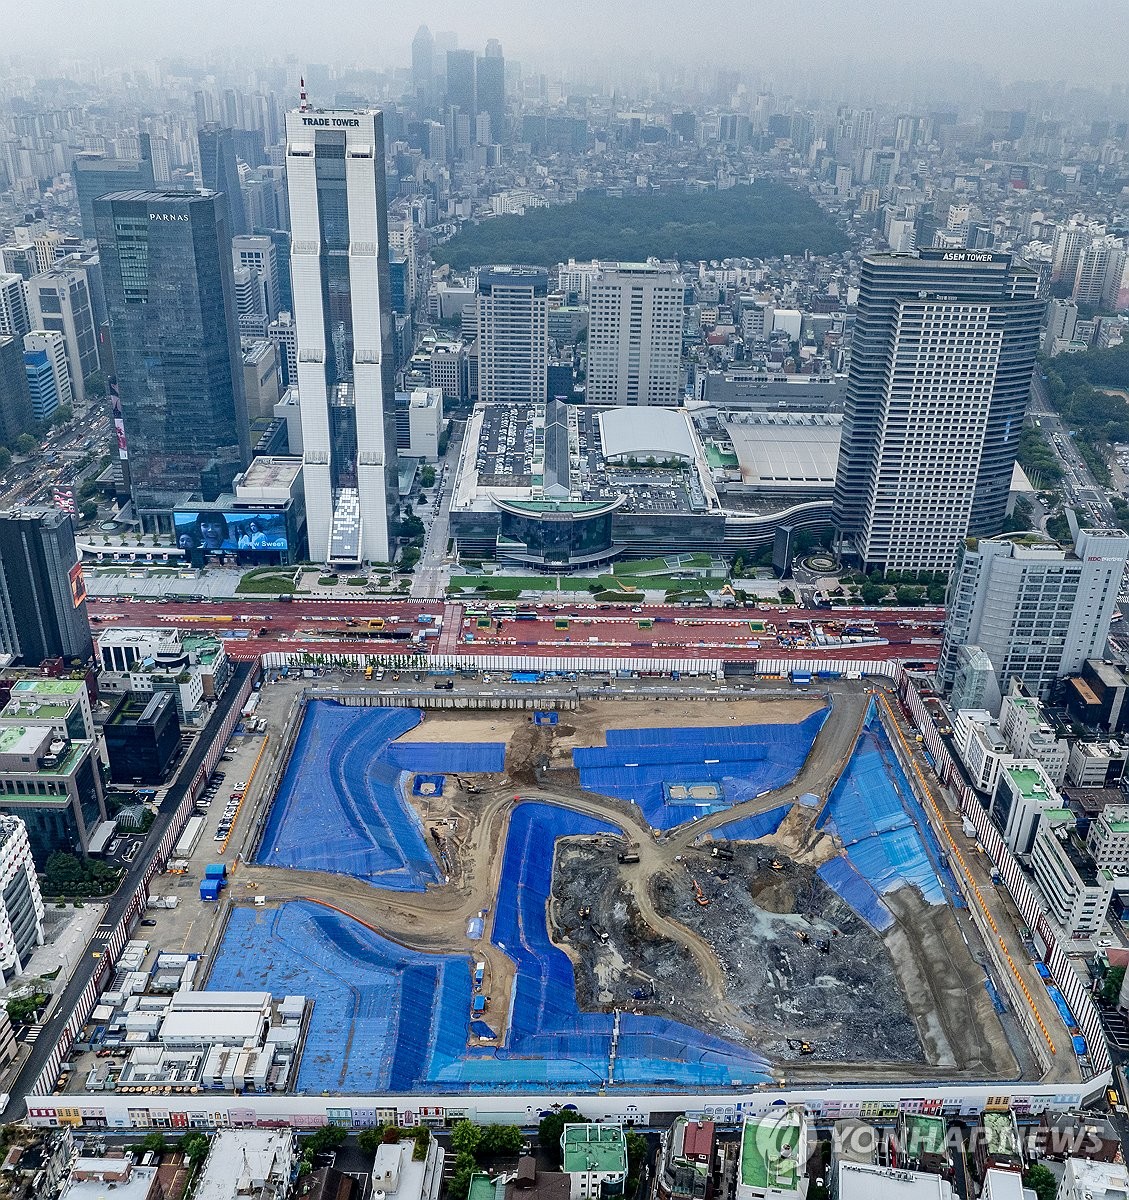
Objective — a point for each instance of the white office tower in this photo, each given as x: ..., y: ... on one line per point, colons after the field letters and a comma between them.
x: 1036, y: 609
x: 14, y: 318
x: 21, y: 905
x: 1097, y: 278
x: 635, y: 334
x: 513, y: 334
x: 343, y: 316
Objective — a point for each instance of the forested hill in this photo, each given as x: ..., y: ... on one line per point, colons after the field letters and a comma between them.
x: 761, y: 220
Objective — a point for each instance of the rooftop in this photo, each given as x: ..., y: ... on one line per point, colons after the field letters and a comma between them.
x: 999, y: 1133
x: 1029, y: 782
x: 924, y: 1135
x: 270, y: 471
x: 771, y: 1149
x: 592, y: 1147
x: 136, y: 1187
x: 866, y: 1181
x: 50, y: 687
x: 242, y: 1156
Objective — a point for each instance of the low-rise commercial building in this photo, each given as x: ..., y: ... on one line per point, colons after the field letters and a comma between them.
x: 594, y: 1157
x: 864, y: 1181
x: 1107, y: 839
x: 996, y: 1142
x: 1088, y: 1179
x: 120, y: 1177
x: 254, y: 1163
x: 193, y: 667
x: 1096, y: 764
x: 1024, y: 794
x: 399, y: 1176
x: 773, y: 1158
x: 685, y: 1163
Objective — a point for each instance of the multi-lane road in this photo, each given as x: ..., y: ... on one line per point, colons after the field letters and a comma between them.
x: 1083, y: 493
x: 387, y: 627
x: 37, y: 1057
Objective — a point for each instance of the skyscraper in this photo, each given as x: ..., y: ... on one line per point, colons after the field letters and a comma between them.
x: 166, y: 265
x: 491, y: 89
x: 941, y: 360
x: 635, y: 334
x: 219, y: 172
x: 96, y: 175
x: 15, y: 320
x: 42, y: 596
x: 61, y: 301
x: 513, y: 334
x: 51, y: 387
x: 462, y: 92
x: 423, y: 65
x: 16, y: 414
x: 1037, y: 610
x: 343, y: 315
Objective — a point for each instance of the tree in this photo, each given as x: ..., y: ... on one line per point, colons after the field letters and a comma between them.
x: 427, y: 476
x: 872, y: 593
x: 461, y: 1173
x: 62, y: 415
x: 501, y: 1139
x: 23, y: 1009
x: 194, y: 1147
x: 1041, y: 1181
x: 551, y: 1128
x: 1111, y: 985
x: 25, y: 444
x: 638, y: 1152
x: 409, y: 556
x: 153, y: 1143
x: 5, y: 458
x: 465, y: 1137
x: 371, y: 1139
x: 328, y: 1137
x: 95, y: 385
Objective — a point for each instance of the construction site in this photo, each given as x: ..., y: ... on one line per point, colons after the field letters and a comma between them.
x: 662, y: 894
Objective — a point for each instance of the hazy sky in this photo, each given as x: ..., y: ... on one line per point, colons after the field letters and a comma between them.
x: 1080, y: 41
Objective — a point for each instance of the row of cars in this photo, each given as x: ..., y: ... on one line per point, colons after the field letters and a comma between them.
x: 231, y: 809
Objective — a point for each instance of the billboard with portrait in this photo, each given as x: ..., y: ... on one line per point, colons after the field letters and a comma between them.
x: 234, y: 532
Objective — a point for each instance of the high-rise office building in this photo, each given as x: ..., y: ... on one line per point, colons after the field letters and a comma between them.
x: 60, y: 300
x: 21, y: 903
x: 1059, y: 327
x: 462, y: 91
x: 343, y: 315
x: 941, y: 360
x: 423, y: 65
x: 257, y: 253
x: 96, y: 175
x: 16, y: 414
x: 491, y: 89
x: 166, y: 265
x: 42, y: 596
x: 48, y: 376
x: 282, y: 332
x: 15, y: 320
x: 219, y: 172
x: 1037, y: 610
x: 513, y: 334
x: 635, y: 334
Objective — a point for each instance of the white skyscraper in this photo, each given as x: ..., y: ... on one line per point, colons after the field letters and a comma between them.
x: 343, y: 315
x: 1037, y: 610
x: 635, y: 334
x: 14, y: 318
x: 513, y: 334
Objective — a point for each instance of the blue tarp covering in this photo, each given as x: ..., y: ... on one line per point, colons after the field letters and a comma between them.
x: 840, y: 875
x: 340, y: 806
x: 748, y: 829
x: 883, y: 828
x: 384, y: 1017
x: 745, y: 760
x: 1063, y: 1008
x: 469, y: 757
x: 1079, y: 1045
x: 390, y: 1019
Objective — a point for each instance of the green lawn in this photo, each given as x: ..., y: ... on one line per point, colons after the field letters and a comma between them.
x: 265, y: 585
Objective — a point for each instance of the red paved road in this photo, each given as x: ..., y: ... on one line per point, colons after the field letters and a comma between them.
x: 337, y: 626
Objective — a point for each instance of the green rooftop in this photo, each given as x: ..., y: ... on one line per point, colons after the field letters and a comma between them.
x: 771, y: 1150
x: 1064, y: 814
x: 924, y: 1135
x: 482, y: 1187
x: 601, y: 1148
x: 50, y: 687
x: 29, y: 707
x: 1029, y: 782
x: 999, y: 1133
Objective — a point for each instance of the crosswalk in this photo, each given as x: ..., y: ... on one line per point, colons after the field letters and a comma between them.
x: 33, y: 1032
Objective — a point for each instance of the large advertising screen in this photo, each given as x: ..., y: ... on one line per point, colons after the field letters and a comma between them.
x: 233, y: 531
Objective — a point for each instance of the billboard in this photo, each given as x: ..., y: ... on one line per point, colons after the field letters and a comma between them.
x: 231, y: 531
x: 78, y: 585
x: 119, y: 423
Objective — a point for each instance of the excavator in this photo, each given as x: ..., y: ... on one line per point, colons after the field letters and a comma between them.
x: 699, y: 895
